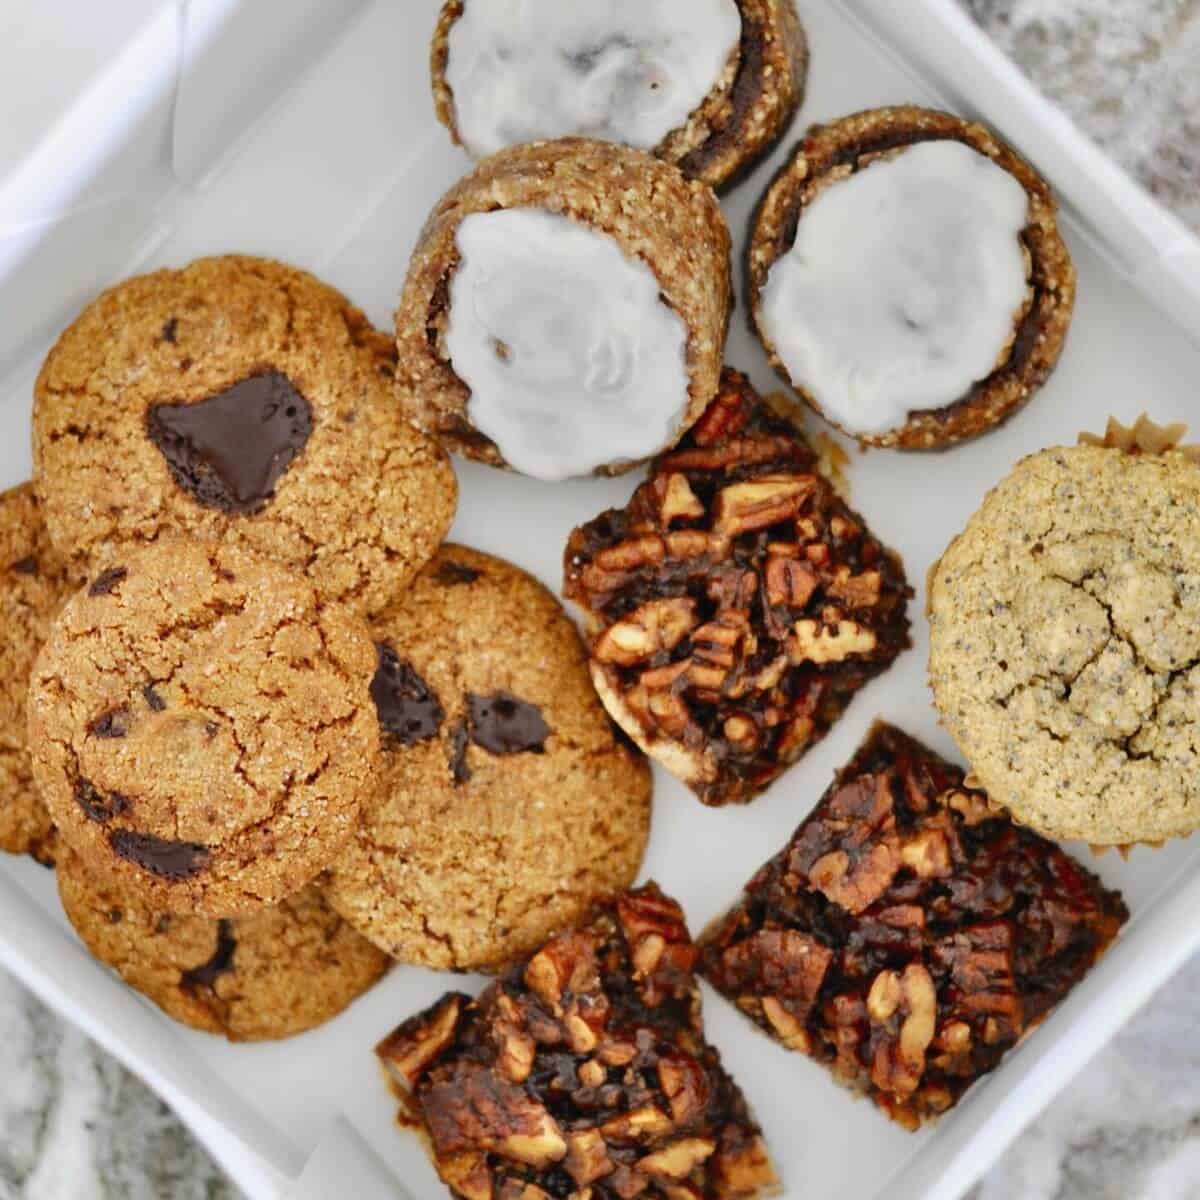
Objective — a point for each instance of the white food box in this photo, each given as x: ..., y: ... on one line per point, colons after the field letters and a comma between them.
x: 166, y: 130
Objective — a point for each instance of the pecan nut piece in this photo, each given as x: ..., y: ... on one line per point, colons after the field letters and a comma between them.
x: 565, y: 963
x: 655, y: 627
x: 852, y: 853
x: 905, y: 1007
x: 409, y: 1051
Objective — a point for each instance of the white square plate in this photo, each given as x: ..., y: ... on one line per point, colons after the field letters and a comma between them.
x: 334, y: 167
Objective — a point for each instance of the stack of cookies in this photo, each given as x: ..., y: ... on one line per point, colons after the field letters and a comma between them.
x: 270, y: 731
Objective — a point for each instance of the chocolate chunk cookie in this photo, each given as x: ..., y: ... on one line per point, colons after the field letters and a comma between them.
x: 583, y: 1072
x: 507, y: 800
x: 268, y: 975
x: 201, y: 726
x: 736, y: 605
x: 244, y: 402
x: 1065, y: 643
x: 33, y: 586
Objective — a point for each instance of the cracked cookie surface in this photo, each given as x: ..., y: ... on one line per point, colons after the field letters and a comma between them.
x: 507, y: 802
x: 1065, y: 648
x: 241, y: 401
x: 267, y: 975
x: 201, y: 726
x: 33, y: 586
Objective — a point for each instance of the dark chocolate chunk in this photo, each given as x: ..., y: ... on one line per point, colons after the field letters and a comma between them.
x: 460, y: 772
x: 106, y: 581
x: 205, y: 975
x: 229, y: 451
x: 159, y: 856
x: 152, y: 698
x: 170, y: 329
x: 112, y: 724
x: 97, y: 805
x: 25, y: 566
x: 407, y: 709
x: 450, y: 574
x: 503, y: 724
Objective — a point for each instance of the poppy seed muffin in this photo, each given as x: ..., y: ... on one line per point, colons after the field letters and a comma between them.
x: 1065, y: 644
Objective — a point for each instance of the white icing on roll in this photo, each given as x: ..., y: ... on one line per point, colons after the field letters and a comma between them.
x: 903, y: 285
x: 622, y: 70
x: 573, y: 360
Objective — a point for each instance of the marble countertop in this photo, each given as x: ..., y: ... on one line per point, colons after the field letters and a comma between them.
x: 74, y: 1125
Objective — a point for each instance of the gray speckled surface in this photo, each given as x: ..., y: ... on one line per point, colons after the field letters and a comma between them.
x: 75, y: 1126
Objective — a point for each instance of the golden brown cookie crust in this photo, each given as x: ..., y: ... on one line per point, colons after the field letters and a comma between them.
x: 672, y: 224
x: 467, y: 858
x: 737, y: 123
x: 830, y: 152
x: 1065, y: 644
x: 269, y: 975
x: 201, y: 726
x: 360, y: 508
x: 34, y: 583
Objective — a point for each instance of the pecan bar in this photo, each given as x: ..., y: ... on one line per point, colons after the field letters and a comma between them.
x: 908, y: 936
x: 737, y: 604
x: 583, y: 1073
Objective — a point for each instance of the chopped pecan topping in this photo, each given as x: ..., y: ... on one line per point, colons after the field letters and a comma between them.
x: 907, y: 935
x: 856, y: 591
x: 408, y: 1052
x: 736, y: 604
x: 678, y: 501
x: 565, y: 963
x: 903, y: 1007
x: 516, y: 1108
x: 742, y: 1168
x: 466, y: 1175
x: 812, y: 643
x: 657, y: 626
x: 587, y: 1156
x: 679, y: 1159
x: 759, y: 504
x: 850, y: 852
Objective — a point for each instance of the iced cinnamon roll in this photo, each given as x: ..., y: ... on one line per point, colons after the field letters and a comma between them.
x: 907, y: 277
x: 565, y: 310
x: 709, y: 85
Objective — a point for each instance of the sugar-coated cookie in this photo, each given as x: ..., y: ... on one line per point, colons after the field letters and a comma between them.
x: 508, y: 802
x: 201, y: 726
